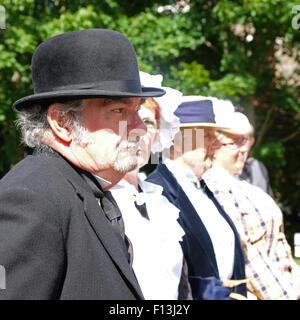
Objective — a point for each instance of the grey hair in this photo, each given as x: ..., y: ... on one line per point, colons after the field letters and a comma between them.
x: 33, y: 123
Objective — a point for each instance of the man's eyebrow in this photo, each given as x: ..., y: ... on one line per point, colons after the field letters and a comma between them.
x: 110, y: 100
x: 121, y: 100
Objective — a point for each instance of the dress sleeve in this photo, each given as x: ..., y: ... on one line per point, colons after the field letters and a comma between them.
x: 267, y: 279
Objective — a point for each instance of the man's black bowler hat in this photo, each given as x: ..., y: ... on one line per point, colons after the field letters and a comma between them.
x: 85, y: 64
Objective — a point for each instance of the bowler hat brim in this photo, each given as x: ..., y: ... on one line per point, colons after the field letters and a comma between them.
x: 83, y: 94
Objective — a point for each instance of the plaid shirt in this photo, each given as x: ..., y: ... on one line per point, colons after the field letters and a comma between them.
x: 270, y: 268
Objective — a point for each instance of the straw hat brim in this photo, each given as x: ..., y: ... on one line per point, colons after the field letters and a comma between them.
x: 210, y: 125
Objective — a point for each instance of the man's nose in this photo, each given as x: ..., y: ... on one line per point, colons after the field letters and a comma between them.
x: 136, y: 126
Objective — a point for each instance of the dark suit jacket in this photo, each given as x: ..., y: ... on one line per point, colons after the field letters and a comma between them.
x: 55, y: 242
x: 197, y: 246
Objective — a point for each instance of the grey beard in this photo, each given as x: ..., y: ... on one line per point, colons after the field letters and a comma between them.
x: 125, y: 161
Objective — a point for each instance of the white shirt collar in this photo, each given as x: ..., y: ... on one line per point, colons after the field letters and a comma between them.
x: 150, y: 187
x: 147, y: 187
x: 103, y: 183
x: 181, y: 171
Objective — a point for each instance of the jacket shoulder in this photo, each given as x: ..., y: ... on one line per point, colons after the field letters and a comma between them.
x: 163, y: 177
x: 38, y: 183
x: 158, y: 175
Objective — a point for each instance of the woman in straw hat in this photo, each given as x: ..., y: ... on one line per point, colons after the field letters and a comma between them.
x: 270, y: 268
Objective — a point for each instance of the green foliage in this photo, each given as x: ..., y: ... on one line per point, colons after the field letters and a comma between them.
x: 271, y: 153
x: 190, y: 78
x: 233, y: 85
x: 228, y: 49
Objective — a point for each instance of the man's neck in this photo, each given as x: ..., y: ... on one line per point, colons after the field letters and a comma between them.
x: 195, y: 167
x: 111, y: 176
x: 133, y: 178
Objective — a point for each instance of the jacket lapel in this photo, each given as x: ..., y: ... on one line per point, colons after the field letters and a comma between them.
x: 112, y: 242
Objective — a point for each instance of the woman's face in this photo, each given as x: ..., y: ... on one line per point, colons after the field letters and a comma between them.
x: 231, y: 153
x: 148, y: 116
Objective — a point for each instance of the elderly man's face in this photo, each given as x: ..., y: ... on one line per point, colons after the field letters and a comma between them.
x: 191, y: 145
x: 114, y: 129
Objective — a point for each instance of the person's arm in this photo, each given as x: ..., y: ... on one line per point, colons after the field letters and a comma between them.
x: 261, y: 236
x: 209, y: 288
x: 268, y: 281
x: 31, y: 246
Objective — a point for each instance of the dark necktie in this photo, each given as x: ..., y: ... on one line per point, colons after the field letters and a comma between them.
x: 203, y: 184
x: 110, y: 209
x: 112, y: 212
x: 114, y: 215
x: 142, y: 209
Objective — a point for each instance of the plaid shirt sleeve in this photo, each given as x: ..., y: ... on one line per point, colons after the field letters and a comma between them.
x: 270, y: 268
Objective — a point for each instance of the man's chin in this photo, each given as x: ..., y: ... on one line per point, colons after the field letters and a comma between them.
x: 125, y: 167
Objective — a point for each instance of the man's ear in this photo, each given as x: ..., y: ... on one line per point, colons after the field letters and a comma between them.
x: 57, y: 121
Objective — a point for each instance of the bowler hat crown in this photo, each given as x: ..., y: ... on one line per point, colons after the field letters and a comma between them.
x: 85, y: 64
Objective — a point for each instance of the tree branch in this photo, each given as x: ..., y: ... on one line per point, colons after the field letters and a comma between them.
x: 290, y: 137
x: 264, y: 127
